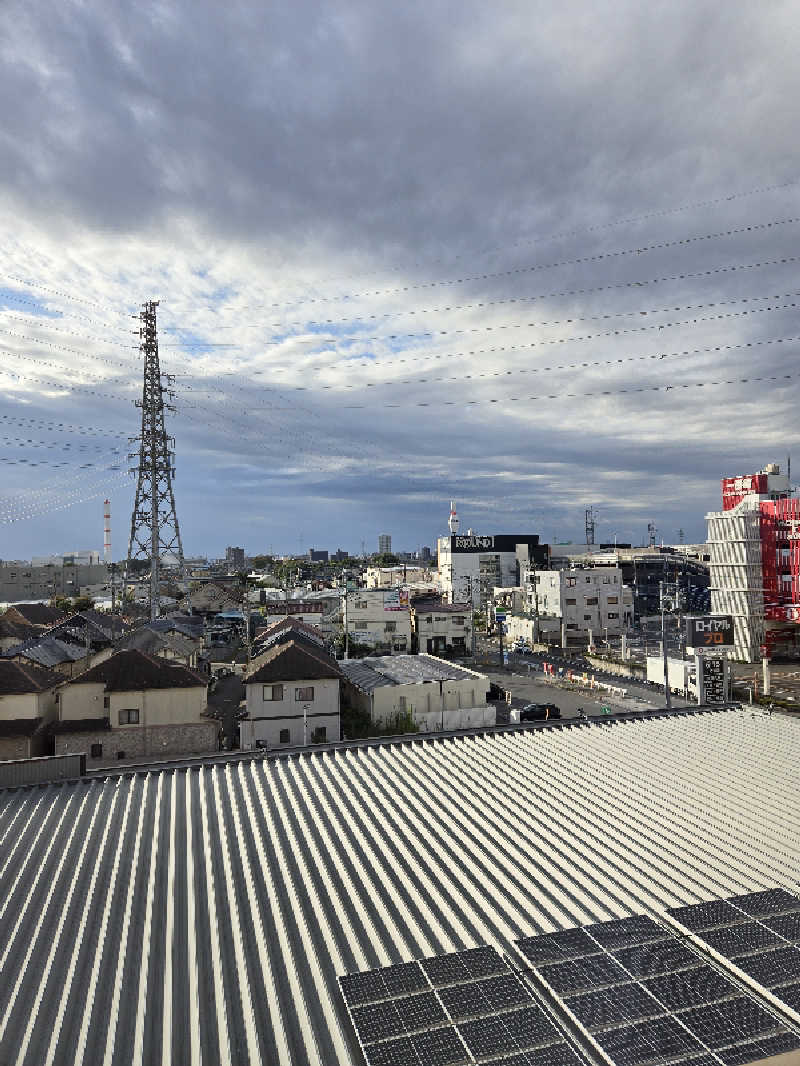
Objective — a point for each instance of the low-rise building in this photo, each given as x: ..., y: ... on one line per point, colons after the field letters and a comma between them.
x: 434, y: 694
x: 292, y: 696
x: 583, y: 599
x: 387, y: 577
x: 379, y: 619
x: 27, y: 707
x: 442, y: 628
x: 133, y: 706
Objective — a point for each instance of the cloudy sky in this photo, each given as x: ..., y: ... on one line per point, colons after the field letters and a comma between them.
x: 530, y: 256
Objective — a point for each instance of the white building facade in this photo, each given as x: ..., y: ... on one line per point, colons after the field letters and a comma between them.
x: 583, y: 599
x: 379, y: 619
x: 472, y: 566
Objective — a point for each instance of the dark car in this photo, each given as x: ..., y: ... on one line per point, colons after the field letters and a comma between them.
x: 533, y: 712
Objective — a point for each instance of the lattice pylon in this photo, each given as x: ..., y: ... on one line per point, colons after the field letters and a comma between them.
x: 155, y: 533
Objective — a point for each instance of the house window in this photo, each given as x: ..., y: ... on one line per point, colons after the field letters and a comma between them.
x: 96, y: 751
x: 458, y: 621
x: 429, y: 619
x: 612, y: 614
x: 572, y: 625
x: 401, y: 704
x: 390, y: 627
x: 272, y: 692
x: 613, y: 599
x: 571, y: 582
x: 284, y: 736
x: 106, y: 702
x: 587, y: 618
x: 460, y: 642
x: 591, y: 601
x: 120, y: 754
x: 571, y: 603
x: 319, y: 735
x: 302, y: 694
x: 129, y: 717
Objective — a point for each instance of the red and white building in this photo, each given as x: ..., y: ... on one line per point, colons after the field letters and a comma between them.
x: 754, y: 544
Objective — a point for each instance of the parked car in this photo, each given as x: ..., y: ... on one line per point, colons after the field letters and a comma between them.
x: 538, y: 711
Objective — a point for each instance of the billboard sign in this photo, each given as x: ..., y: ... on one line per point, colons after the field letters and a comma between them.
x: 710, y: 631
x: 395, y: 600
x: 713, y: 681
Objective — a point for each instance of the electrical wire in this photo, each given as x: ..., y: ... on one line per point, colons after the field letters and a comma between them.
x: 516, y: 271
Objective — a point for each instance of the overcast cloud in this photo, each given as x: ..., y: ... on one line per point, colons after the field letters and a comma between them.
x: 437, y: 242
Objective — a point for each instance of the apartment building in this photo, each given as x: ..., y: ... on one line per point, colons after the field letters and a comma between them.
x: 583, y: 599
x: 379, y: 618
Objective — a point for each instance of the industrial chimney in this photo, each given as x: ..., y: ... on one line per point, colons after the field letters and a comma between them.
x: 107, y: 531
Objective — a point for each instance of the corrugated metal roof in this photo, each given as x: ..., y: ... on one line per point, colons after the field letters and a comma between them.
x: 374, y: 670
x: 204, y: 914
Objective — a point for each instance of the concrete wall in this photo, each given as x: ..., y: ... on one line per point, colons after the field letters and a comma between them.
x: 128, y: 744
x: 267, y: 719
x: 464, y: 718
x: 428, y: 698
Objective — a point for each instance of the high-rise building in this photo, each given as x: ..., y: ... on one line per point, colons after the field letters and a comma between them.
x: 384, y: 543
x: 234, y: 557
x: 754, y: 546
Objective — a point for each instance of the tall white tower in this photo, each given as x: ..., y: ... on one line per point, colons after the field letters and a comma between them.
x: 107, y: 531
x: 452, y: 523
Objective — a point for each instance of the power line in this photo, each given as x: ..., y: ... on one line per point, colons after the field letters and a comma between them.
x: 482, y: 304
x: 599, y: 257
x: 417, y: 357
x: 560, y: 235
x: 59, y: 426
x: 533, y: 344
x: 576, y: 395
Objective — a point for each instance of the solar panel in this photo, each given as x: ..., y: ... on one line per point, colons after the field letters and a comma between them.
x: 651, y: 1041
x: 574, y: 943
x: 440, y: 1047
x: 379, y: 1021
x: 552, y: 1055
x: 484, y: 997
x: 613, y: 1006
x: 769, y: 901
x: 444, y: 970
x: 690, y: 988
x: 622, y: 932
x: 698, y: 916
x: 578, y: 975
x: 730, y: 1022
x: 370, y: 986
x: 392, y: 1053
x: 759, y: 1049
x: 376, y: 1021
x: 785, y: 925
x: 772, y: 967
x: 740, y: 939
x: 527, y: 1027
x: 483, y: 961
x: 790, y: 994
x: 648, y: 960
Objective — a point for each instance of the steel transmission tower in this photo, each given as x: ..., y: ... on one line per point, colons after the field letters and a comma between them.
x: 155, y: 534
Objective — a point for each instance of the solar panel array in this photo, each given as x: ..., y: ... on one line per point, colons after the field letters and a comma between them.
x: 645, y: 996
x: 759, y: 932
x: 638, y: 992
x: 463, y: 1007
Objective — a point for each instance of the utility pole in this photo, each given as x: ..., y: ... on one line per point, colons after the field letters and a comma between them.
x: 667, y: 695
x: 154, y: 521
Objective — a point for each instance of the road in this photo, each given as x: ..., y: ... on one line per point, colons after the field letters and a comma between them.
x: 522, y: 678
x: 224, y: 698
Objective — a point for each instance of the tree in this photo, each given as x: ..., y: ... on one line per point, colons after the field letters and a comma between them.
x: 385, y: 559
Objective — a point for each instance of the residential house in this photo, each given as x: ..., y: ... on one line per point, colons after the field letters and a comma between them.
x: 292, y: 696
x: 27, y: 707
x: 442, y: 628
x: 133, y: 706
x: 435, y: 694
